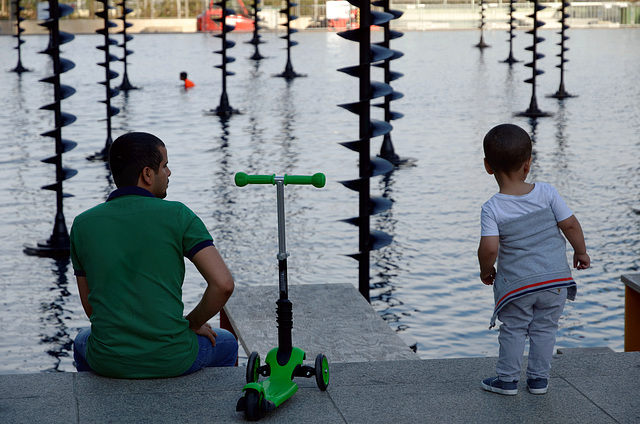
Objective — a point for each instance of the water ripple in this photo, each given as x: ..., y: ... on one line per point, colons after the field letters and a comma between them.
x: 425, y: 283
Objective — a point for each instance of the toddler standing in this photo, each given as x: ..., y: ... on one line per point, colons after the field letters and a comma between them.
x: 522, y: 229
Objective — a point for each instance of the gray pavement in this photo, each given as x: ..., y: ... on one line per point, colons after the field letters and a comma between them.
x: 584, y: 388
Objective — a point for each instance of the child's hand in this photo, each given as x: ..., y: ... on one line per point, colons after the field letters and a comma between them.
x: 488, y: 278
x: 581, y: 261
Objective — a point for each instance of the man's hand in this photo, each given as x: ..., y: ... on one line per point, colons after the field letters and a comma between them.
x: 208, y: 332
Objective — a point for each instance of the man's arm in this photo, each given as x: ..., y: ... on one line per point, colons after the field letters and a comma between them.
x: 219, y: 288
x: 487, y: 255
x: 573, y: 232
x: 83, y: 290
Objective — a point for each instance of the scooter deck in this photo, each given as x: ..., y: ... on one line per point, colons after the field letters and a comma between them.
x: 280, y: 385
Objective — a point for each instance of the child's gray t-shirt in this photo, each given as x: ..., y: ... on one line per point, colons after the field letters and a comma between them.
x: 502, y: 208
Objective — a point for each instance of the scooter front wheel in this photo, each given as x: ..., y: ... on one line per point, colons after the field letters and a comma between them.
x: 322, y: 372
x: 252, y: 405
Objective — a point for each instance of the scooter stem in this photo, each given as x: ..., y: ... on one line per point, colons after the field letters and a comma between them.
x: 282, y: 242
x: 284, y: 308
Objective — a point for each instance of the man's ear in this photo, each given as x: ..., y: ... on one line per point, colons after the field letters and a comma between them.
x: 147, y: 176
x: 487, y: 167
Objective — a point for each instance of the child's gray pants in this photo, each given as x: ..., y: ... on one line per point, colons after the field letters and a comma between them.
x: 535, y: 315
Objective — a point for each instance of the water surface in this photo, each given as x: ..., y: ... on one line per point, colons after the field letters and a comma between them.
x: 425, y: 283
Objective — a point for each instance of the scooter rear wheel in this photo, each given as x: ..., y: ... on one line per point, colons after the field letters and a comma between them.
x: 322, y: 371
x: 253, y: 365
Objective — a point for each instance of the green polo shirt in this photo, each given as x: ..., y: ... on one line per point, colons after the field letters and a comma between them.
x: 131, y: 250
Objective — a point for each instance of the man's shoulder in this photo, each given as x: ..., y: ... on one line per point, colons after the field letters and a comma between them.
x: 95, y: 210
x: 172, y: 208
x: 174, y: 205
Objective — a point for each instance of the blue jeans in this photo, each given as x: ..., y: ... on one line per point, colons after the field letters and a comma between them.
x: 223, y: 354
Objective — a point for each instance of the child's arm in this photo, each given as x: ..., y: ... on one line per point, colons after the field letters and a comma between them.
x: 573, y: 232
x: 487, y: 255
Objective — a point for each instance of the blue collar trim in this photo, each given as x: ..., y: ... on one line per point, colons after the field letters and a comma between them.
x: 130, y: 190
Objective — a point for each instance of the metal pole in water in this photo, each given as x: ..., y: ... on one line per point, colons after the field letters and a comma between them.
x: 481, y: 44
x: 19, y: 69
x: 224, y: 109
x: 387, y: 149
x: 562, y: 93
x: 533, y: 111
x: 511, y: 59
x: 367, y: 129
x: 126, y: 85
x: 57, y: 246
x: 109, y: 75
x: 255, y: 40
x: 289, y: 73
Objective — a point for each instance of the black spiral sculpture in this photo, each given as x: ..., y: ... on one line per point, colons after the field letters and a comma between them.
x: 368, y: 128
x: 482, y: 45
x: 512, y: 24
x: 288, y: 72
x: 533, y: 111
x: 255, y: 40
x: 19, y: 30
x: 109, y: 75
x: 58, y: 244
x: 562, y: 93
x: 387, y: 150
x: 224, y: 110
x: 125, y: 85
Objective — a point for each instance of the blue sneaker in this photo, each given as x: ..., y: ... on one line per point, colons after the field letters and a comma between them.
x: 494, y: 384
x: 537, y: 386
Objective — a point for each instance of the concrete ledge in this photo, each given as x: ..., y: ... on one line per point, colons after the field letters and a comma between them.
x: 584, y: 388
x: 332, y: 319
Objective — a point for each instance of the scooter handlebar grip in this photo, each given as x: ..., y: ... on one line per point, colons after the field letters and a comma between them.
x: 243, y: 179
x: 317, y: 180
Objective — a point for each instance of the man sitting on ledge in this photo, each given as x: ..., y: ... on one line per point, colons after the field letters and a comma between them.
x: 128, y: 258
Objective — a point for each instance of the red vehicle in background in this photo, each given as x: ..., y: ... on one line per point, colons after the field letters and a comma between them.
x: 243, y: 22
x: 341, y: 14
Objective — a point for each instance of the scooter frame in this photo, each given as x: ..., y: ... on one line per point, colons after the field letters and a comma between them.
x: 284, y: 362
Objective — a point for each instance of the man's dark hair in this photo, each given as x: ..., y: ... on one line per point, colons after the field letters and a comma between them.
x: 130, y: 154
x: 507, y: 147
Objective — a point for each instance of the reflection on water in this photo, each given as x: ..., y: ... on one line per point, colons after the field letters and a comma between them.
x: 54, y: 318
x: 561, y: 139
x: 222, y: 215
x: 386, y: 262
x: 425, y: 283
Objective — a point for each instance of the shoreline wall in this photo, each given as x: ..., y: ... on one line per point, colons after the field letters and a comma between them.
x: 414, y: 18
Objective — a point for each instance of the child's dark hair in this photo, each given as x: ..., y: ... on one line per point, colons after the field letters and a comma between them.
x: 130, y: 154
x: 507, y: 147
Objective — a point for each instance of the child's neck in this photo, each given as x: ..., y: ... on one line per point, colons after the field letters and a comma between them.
x: 514, y: 184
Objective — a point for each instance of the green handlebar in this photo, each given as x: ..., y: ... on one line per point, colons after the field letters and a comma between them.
x: 317, y: 180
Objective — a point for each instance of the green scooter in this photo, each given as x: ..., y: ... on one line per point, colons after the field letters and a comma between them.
x: 284, y: 362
